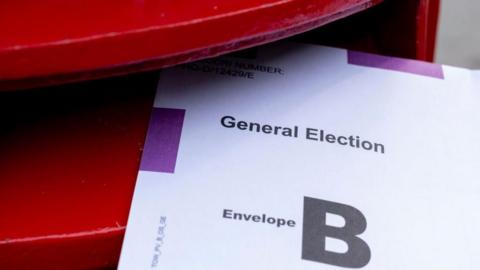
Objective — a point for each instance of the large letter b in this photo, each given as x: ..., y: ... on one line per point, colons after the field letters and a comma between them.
x: 316, y: 230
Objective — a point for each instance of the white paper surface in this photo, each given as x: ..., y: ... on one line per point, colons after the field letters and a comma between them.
x: 420, y: 197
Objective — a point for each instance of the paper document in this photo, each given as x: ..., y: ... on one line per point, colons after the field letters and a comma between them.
x: 305, y: 157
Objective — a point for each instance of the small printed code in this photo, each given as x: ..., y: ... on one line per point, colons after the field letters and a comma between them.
x: 159, y: 241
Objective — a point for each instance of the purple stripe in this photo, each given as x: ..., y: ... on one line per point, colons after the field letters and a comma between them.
x: 397, y: 64
x: 163, y: 138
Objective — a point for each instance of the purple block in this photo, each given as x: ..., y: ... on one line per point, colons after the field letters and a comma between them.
x: 163, y: 139
x: 397, y: 64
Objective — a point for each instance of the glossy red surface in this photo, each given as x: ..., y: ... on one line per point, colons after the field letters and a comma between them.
x: 69, y: 154
x: 44, y: 42
x: 427, y: 28
x: 69, y: 157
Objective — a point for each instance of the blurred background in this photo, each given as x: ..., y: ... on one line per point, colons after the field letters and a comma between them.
x: 458, y: 41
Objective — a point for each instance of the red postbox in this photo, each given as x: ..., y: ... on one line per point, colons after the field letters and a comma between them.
x: 70, y: 152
